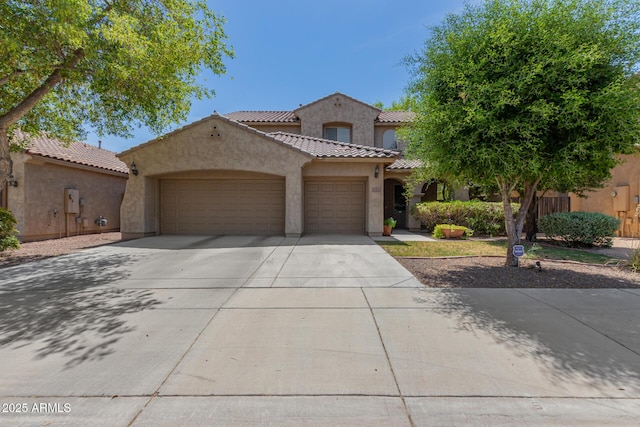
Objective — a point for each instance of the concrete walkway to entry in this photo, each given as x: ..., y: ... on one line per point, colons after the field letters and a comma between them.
x: 322, y: 330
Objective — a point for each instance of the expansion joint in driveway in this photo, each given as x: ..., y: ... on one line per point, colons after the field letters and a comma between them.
x: 386, y: 354
x: 157, y: 392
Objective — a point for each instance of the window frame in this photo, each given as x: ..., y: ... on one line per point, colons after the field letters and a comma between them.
x: 395, y: 139
x: 338, y: 125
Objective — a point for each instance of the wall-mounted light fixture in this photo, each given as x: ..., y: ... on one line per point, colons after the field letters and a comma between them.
x: 12, y: 181
x: 134, y: 169
x: 376, y: 171
x: 614, y: 193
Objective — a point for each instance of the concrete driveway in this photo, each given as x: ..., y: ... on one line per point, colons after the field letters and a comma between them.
x: 322, y: 330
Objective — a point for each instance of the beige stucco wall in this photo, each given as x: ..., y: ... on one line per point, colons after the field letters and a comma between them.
x: 212, y: 144
x: 15, y: 195
x: 38, y: 201
x: 339, y: 109
x: 378, y: 134
x: 601, y: 200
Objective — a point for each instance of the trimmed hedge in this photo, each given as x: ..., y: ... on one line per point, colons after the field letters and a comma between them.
x: 484, y: 218
x: 580, y: 228
x: 8, y: 239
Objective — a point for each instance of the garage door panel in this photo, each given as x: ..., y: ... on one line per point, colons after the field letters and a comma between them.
x: 334, y: 206
x: 223, y: 206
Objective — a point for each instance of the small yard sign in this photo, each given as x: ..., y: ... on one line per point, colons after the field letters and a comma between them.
x: 518, y: 250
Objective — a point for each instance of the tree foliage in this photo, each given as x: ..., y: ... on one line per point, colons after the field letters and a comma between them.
x: 114, y: 64
x: 528, y: 94
x: 405, y: 103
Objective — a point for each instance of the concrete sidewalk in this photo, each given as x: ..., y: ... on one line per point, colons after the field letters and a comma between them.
x: 323, y: 330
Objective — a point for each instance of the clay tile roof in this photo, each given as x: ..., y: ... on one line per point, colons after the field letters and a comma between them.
x: 75, y: 152
x: 395, y: 117
x: 390, y: 117
x: 263, y: 117
x: 404, y: 164
x: 325, y: 148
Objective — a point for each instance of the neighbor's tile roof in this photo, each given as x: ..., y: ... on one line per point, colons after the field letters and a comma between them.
x: 404, y: 164
x: 75, y: 152
x: 324, y: 148
x: 263, y: 117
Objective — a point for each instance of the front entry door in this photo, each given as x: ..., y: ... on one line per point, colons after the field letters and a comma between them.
x: 395, y: 204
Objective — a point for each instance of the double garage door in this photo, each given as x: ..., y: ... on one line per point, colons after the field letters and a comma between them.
x: 257, y: 206
x: 222, y: 206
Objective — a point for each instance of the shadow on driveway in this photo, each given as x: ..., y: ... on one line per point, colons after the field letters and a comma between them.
x: 592, y: 343
x: 66, y: 306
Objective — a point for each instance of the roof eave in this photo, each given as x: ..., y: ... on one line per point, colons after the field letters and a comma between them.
x: 78, y: 165
x: 214, y: 116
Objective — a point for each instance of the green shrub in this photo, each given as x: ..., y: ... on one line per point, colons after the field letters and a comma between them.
x: 390, y: 222
x: 634, y: 259
x: 485, y: 218
x: 580, y: 228
x: 439, y: 234
x: 8, y: 239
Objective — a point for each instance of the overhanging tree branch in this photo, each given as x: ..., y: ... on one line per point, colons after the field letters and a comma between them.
x: 34, y: 97
x: 4, y: 80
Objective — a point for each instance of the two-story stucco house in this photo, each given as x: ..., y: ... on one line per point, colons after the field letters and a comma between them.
x: 331, y: 166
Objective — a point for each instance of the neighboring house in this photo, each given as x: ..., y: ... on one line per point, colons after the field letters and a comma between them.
x: 58, y: 191
x: 331, y: 166
x: 619, y: 198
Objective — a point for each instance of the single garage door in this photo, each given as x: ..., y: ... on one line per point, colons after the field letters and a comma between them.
x: 334, y: 206
x: 222, y: 206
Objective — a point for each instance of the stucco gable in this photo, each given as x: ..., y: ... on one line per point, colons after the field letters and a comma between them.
x: 210, y: 123
x: 337, y: 99
x: 215, y: 143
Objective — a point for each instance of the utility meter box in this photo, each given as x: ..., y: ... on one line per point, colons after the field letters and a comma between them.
x: 621, y: 198
x: 71, y: 200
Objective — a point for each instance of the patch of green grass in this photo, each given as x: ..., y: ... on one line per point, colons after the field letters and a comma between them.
x: 444, y: 248
x: 551, y: 252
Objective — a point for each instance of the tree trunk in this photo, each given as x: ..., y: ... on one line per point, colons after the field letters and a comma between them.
x: 14, y: 114
x: 510, y: 225
x: 514, y: 224
x: 530, y: 224
x: 5, y: 157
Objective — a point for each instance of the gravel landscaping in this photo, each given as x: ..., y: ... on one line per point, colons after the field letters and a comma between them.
x: 490, y: 272
x: 33, y: 251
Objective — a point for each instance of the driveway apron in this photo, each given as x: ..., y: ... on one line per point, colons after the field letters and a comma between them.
x: 320, y: 330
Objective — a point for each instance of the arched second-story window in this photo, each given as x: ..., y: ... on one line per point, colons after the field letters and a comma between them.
x: 389, y: 140
x: 338, y: 132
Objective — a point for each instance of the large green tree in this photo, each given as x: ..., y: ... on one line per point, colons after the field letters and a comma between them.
x: 112, y: 64
x: 528, y: 92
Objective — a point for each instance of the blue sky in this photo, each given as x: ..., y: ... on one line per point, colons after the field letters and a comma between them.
x: 292, y: 52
